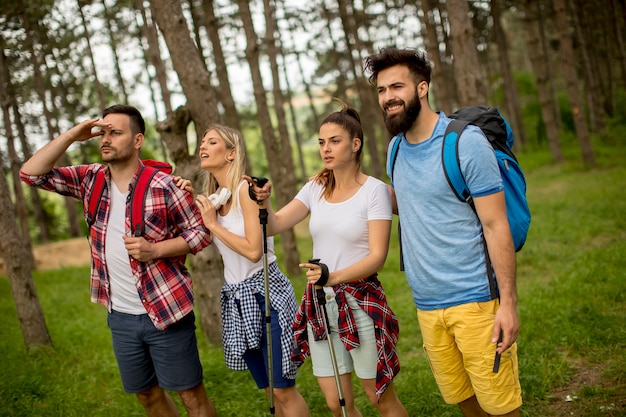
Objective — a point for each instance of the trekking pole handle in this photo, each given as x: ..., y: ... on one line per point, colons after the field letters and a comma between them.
x: 259, y: 182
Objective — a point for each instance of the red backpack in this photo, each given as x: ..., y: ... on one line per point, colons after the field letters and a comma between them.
x: 137, y: 196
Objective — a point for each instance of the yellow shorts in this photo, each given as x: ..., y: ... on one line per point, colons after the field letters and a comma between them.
x: 457, y: 342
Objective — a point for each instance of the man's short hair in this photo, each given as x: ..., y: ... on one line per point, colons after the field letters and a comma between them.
x: 137, y: 124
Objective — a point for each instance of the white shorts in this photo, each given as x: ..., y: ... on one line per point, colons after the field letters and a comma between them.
x: 363, y: 359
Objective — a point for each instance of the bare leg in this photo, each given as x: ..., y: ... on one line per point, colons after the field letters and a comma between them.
x: 329, y: 388
x: 289, y: 402
x: 197, y: 402
x: 157, y: 402
x: 389, y: 404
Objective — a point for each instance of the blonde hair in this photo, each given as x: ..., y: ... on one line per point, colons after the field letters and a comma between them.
x: 233, y: 140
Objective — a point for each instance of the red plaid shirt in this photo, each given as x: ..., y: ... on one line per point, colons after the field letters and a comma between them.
x: 164, y: 285
x: 371, y: 297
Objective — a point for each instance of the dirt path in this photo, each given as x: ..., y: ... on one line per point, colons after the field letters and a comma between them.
x: 71, y: 252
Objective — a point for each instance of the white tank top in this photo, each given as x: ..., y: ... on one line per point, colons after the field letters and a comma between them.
x: 238, y: 267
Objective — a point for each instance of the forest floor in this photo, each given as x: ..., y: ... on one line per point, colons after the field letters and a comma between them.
x: 562, y: 401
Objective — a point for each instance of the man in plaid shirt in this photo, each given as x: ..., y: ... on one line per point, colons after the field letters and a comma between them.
x: 142, y: 280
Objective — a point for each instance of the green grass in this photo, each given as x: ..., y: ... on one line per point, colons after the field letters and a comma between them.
x: 571, y: 283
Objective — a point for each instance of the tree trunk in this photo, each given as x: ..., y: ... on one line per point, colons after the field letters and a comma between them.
x: 20, y: 201
x: 154, y: 53
x: 443, y: 86
x: 208, y: 269
x: 467, y: 69
x: 29, y: 312
x: 231, y: 116
x: 70, y: 204
x: 292, y: 257
x: 510, y: 89
x: 113, y: 44
x: 368, y: 106
x: 539, y: 63
x: 572, y: 84
x: 202, y: 110
x: 285, y: 188
x: 96, y: 82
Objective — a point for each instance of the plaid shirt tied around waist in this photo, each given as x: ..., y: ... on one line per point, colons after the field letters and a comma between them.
x: 371, y: 297
x: 242, y: 325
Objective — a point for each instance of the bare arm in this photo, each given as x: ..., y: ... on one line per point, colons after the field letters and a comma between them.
x: 286, y: 218
x: 394, y: 202
x: 491, y: 210
x: 44, y: 159
x: 250, y: 245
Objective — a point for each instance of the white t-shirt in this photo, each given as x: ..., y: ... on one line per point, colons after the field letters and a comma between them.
x: 124, y: 296
x: 340, y: 231
x: 237, y: 267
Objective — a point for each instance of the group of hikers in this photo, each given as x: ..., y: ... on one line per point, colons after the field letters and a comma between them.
x: 459, y: 261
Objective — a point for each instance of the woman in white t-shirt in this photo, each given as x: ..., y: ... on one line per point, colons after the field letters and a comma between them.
x: 350, y: 224
x: 236, y: 230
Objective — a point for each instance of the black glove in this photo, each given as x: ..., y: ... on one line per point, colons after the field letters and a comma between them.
x: 259, y: 182
x: 325, y: 274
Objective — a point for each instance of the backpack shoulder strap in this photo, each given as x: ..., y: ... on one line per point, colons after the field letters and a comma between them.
x: 138, y: 199
x: 450, y: 160
x: 95, y: 197
x: 394, y: 145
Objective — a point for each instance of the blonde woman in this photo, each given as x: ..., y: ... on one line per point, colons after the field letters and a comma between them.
x: 236, y: 230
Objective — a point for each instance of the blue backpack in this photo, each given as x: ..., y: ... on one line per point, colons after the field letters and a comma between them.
x: 500, y: 135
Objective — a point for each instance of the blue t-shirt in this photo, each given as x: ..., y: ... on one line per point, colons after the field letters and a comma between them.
x: 442, y: 241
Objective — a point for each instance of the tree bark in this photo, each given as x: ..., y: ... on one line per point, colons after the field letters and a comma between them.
x: 510, y: 89
x: 442, y: 93
x: 568, y: 67
x: 202, y: 110
x: 292, y: 257
x: 285, y: 190
x: 539, y: 63
x: 364, y: 90
x: 20, y: 200
x: 29, y: 311
x: 467, y: 69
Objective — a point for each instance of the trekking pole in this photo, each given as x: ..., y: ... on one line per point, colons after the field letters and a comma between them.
x: 260, y: 182
x: 321, y: 299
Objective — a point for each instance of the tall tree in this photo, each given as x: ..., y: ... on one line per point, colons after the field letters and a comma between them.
x: 368, y: 108
x: 20, y: 200
x: 510, y: 89
x: 443, y: 84
x: 40, y: 89
x: 539, y: 61
x: 151, y: 36
x: 279, y: 168
x: 29, y: 311
x: 94, y: 72
x: 231, y: 116
x: 109, y: 20
x: 467, y: 69
x: 572, y: 83
x: 202, y: 111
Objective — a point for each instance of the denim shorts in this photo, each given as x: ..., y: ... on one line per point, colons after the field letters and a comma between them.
x: 147, y: 356
x: 363, y: 359
x: 256, y: 359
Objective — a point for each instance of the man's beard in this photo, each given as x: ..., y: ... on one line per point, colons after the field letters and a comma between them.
x: 401, y: 122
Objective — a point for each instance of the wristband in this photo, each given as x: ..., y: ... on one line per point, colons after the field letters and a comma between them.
x: 323, y: 280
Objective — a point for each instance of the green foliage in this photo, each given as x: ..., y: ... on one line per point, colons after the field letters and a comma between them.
x: 572, y: 304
